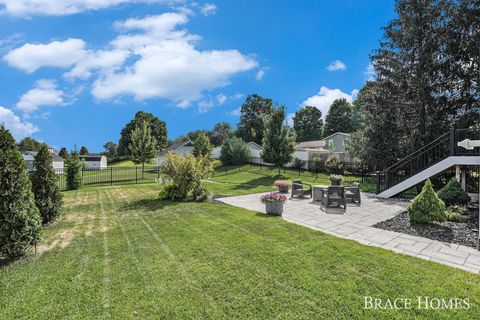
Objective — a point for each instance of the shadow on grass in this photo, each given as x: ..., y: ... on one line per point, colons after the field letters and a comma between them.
x: 148, y: 205
x: 258, y: 182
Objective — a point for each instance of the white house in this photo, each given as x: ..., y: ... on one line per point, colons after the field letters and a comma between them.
x: 181, y: 148
x: 216, y: 152
x: 57, y: 162
x: 94, y: 161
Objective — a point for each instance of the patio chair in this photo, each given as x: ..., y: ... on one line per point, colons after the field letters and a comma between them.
x: 301, y: 189
x: 352, y: 193
x: 335, y: 197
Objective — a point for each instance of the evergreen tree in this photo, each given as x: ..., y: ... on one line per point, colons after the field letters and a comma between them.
x: 74, y: 172
x: 340, y: 118
x: 202, y: 146
x: 83, y: 151
x: 44, y: 185
x: 20, y: 223
x: 143, y: 146
x: 253, y: 113
x: 278, y: 141
x: 63, y: 153
x: 157, y: 127
x: 308, y: 124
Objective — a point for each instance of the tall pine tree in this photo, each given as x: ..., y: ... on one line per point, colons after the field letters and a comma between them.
x: 44, y: 185
x: 20, y: 224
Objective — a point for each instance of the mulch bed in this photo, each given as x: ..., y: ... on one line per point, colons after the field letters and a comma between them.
x: 463, y: 233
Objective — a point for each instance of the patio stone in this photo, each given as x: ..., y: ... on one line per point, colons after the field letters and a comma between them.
x: 356, y: 223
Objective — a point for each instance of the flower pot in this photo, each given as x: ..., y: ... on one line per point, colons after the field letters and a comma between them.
x: 274, y: 208
x: 283, y: 189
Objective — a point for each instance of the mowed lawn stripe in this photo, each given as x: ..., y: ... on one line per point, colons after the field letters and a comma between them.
x: 222, y: 262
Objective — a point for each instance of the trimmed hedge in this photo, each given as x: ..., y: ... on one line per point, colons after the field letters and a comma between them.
x: 427, y: 207
x: 453, y: 194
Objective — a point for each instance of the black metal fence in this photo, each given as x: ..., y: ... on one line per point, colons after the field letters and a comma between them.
x: 112, y: 176
x: 351, y: 171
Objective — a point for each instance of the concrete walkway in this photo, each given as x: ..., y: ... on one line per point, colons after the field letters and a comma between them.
x: 356, y: 224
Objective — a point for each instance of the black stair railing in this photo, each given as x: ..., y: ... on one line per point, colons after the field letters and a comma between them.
x: 430, y: 154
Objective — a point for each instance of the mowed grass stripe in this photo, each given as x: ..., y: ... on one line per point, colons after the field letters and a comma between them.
x: 187, y: 282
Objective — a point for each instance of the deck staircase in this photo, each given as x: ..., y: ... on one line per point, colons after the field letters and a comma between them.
x: 428, y: 161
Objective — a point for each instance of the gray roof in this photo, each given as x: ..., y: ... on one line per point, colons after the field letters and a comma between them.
x: 55, y: 157
x: 176, y: 146
x: 312, y: 144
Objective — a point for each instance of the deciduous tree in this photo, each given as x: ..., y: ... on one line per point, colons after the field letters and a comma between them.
x: 308, y: 124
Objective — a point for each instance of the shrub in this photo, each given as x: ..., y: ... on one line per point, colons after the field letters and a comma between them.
x: 318, y: 164
x: 298, y: 163
x: 453, y: 216
x: 202, y: 146
x: 44, y: 185
x: 185, y: 172
x: 74, y: 175
x: 168, y: 192
x: 282, y: 185
x: 201, y: 195
x: 427, y: 206
x: 20, y: 223
x: 234, y: 151
x: 453, y: 194
x: 336, y: 179
x: 334, y: 165
x: 458, y: 209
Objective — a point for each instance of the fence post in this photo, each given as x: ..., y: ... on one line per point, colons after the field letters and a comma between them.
x: 158, y: 173
x: 111, y: 176
x: 136, y: 174
x: 377, y: 187
x: 452, y: 142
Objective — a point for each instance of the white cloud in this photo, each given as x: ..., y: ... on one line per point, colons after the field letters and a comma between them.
x: 45, y: 93
x: 370, y: 72
x: 208, y: 9
x: 26, y: 8
x: 336, y: 65
x: 17, y: 128
x: 152, y: 57
x: 221, y: 98
x: 205, y: 105
x: 31, y: 57
x: 235, y: 112
x: 169, y: 66
x: 261, y: 73
x: 325, y: 97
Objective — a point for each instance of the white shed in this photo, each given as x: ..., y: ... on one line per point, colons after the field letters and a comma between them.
x: 94, y: 161
x: 57, y: 162
x: 180, y: 148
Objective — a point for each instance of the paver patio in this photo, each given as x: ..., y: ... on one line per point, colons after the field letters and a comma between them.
x: 356, y: 224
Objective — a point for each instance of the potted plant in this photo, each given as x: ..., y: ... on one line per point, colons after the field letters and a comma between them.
x: 282, y: 185
x: 274, y: 203
x: 336, y: 179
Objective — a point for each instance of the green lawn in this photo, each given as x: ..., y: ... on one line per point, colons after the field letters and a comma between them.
x: 250, y: 179
x: 119, y: 253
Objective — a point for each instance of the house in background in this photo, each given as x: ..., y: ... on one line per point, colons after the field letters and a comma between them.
x: 332, y: 145
x: 94, y: 161
x: 180, y: 148
x: 57, y: 162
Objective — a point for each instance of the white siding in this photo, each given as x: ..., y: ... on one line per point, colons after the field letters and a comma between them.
x: 216, y: 152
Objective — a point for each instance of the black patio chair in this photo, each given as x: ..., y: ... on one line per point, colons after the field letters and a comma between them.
x: 335, y: 197
x: 352, y: 193
x: 301, y: 189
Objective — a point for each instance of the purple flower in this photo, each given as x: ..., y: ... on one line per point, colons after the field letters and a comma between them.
x: 273, y: 197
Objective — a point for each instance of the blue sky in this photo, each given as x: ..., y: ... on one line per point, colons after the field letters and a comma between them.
x: 76, y: 72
